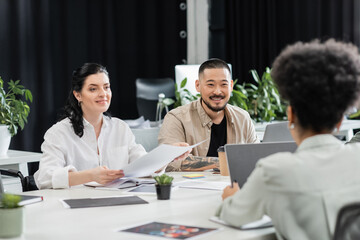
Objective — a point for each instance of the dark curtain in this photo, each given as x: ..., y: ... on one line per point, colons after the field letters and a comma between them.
x: 43, y: 41
x: 255, y: 31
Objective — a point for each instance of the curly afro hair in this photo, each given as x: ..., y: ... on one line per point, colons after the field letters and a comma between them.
x: 319, y: 80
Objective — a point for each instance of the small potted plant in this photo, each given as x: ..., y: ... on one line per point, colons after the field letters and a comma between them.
x: 163, y: 186
x: 13, y: 111
x: 11, y: 216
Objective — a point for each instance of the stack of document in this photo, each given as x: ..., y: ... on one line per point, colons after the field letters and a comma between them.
x: 122, y: 183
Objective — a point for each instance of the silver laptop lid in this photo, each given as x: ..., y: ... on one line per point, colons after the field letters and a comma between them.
x: 242, y: 158
x: 1, y: 185
x: 277, y: 132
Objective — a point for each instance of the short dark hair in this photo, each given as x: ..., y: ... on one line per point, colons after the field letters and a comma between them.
x: 72, y: 110
x: 319, y: 80
x: 213, y: 63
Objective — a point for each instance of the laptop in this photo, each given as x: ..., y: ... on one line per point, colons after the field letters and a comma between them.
x: 25, y: 199
x: 277, y: 132
x: 242, y: 158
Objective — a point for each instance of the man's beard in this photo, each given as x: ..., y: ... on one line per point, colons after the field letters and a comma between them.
x: 214, y: 109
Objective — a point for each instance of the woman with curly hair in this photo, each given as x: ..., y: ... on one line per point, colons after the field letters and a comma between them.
x: 302, y: 191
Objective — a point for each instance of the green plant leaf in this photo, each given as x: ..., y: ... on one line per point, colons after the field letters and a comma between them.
x: 168, y: 101
x: 255, y: 76
x: 28, y: 95
x: 183, y: 83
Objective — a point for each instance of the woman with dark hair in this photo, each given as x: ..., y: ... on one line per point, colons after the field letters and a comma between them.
x: 86, y: 145
x: 303, y: 191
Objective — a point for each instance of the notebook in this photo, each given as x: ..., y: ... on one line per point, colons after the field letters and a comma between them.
x: 242, y: 158
x: 102, y: 201
x: 25, y: 199
x: 277, y: 132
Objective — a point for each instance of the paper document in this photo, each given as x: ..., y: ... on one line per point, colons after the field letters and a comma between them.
x: 264, y: 222
x: 155, y: 159
x: 197, y: 184
x: 121, y: 183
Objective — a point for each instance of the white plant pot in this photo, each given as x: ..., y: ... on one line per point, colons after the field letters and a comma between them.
x: 11, y: 222
x: 5, y: 138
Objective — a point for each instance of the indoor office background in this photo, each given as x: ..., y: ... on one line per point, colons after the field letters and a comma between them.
x: 43, y: 41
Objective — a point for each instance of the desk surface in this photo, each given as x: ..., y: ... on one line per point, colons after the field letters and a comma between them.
x: 50, y: 220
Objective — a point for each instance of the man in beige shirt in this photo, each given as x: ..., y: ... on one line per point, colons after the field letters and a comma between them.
x: 210, y: 118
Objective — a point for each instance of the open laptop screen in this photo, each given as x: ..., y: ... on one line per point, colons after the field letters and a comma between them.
x: 242, y: 158
x: 1, y: 185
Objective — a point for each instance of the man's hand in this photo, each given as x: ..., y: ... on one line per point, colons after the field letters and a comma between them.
x: 229, y: 191
x: 181, y: 144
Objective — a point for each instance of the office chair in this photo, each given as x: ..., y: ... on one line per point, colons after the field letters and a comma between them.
x: 27, y: 183
x: 147, y: 94
x: 277, y: 132
x: 348, y: 222
x: 147, y: 137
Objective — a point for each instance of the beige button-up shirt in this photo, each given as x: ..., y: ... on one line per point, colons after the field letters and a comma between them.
x: 302, y: 191
x: 191, y: 124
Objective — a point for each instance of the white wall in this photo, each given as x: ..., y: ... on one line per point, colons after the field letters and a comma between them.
x: 197, y: 31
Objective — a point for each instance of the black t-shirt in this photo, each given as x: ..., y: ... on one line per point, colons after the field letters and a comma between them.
x: 218, y: 137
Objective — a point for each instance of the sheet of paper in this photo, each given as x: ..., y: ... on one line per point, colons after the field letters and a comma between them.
x: 155, y: 159
x: 264, y: 222
x: 198, y: 184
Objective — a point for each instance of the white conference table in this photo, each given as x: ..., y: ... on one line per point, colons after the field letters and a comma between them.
x: 50, y: 220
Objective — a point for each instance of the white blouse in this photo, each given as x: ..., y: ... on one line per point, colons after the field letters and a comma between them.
x: 64, y: 151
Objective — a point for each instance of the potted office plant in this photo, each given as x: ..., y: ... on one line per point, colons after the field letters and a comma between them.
x: 13, y: 111
x: 163, y: 186
x: 11, y: 216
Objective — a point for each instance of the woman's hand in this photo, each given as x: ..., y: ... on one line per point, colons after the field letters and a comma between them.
x: 230, y: 190
x: 105, y: 175
x: 181, y: 144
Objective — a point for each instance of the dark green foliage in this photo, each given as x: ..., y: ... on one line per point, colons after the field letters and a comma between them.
x: 13, y: 110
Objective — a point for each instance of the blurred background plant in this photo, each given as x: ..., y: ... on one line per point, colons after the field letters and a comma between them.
x: 10, y: 201
x: 13, y: 110
x: 261, y: 100
x: 182, y: 95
